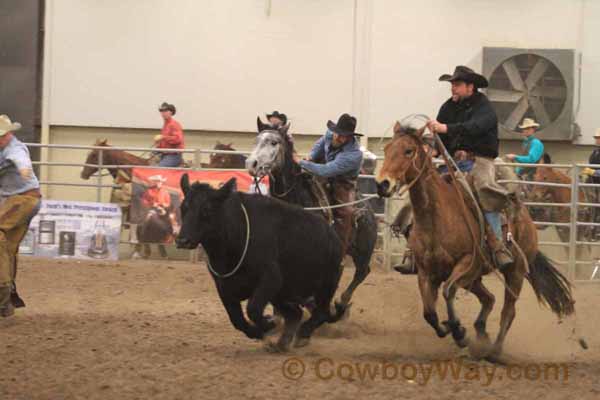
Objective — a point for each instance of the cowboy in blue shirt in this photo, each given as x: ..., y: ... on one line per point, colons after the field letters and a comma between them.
x: 533, y: 149
x: 19, y: 202
x: 337, y: 157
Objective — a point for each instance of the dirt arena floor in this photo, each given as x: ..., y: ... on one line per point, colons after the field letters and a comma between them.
x: 156, y: 330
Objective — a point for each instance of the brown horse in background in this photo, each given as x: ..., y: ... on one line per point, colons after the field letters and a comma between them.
x: 552, y: 194
x: 446, y: 240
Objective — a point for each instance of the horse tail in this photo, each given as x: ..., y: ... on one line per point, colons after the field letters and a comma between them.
x: 551, y: 287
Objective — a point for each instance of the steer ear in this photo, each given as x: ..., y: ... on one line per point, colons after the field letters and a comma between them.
x: 228, y: 187
x: 185, y: 184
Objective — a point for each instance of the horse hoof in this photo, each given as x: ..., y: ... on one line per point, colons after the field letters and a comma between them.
x: 480, y: 347
x: 301, y: 342
x: 342, y: 310
x: 275, y: 347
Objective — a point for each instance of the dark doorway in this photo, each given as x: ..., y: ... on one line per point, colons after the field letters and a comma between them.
x: 21, y: 53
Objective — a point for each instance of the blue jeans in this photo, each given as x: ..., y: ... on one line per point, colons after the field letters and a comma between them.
x: 495, y: 221
x: 170, y: 160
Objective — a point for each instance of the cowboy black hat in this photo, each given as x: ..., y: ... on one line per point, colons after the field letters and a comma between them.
x: 279, y: 115
x: 345, y: 126
x: 465, y: 74
x: 167, y: 107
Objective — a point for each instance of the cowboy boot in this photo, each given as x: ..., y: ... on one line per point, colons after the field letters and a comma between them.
x: 502, y: 256
x: 407, y: 267
x: 6, y: 307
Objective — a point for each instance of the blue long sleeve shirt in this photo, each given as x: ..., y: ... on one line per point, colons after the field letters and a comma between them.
x: 328, y: 161
x: 535, y: 151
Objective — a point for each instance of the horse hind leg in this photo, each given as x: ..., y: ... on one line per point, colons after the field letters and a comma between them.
x: 362, y: 247
x: 292, y: 316
x: 482, y: 346
x: 513, y: 278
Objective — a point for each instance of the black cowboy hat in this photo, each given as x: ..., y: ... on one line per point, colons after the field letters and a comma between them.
x: 345, y: 126
x: 167, y: 107
x: 279, y: 115
x: 465, y: 74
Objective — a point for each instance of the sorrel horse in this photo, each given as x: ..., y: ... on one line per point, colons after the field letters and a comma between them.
x: 552, y: 194
x: 273, y: 156
x: 446, y: 240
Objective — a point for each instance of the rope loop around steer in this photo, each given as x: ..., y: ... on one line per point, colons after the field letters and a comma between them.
x: 241, y: 261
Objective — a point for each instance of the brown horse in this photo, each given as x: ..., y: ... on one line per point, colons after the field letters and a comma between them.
x: 552, y: 194
x: 226, y: 161
x: 446, y: 240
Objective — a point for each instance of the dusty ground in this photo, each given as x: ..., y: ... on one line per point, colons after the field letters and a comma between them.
x: 156, y: 330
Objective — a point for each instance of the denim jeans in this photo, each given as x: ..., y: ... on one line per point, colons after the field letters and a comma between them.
x: 171, y: 160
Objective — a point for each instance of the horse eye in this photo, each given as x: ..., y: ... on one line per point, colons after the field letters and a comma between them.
x: 274, y: 143
x: 408, y: 152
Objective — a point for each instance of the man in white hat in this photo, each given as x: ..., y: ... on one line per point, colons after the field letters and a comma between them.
x: 533, y: 148
x: 19, y: 202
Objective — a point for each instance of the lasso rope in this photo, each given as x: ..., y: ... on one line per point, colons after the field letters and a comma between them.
x: 239, y: 264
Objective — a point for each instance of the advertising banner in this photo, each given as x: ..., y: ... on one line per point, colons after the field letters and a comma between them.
x: 156, y: 198
x: 73, y: 229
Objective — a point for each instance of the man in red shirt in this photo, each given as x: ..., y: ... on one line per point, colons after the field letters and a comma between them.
x: 171, y: 137
x: 155, y: 196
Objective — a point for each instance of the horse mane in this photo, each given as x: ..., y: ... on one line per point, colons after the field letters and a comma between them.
x: 546, y: 158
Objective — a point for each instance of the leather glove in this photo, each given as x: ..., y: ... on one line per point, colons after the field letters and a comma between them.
x: 587, y: 171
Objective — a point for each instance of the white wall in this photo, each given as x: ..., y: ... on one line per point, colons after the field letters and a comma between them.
x: 221, y: 62
x: 225, y: 61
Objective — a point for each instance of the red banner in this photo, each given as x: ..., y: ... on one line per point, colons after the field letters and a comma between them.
x: 245, y: 182
x: 157, y: 196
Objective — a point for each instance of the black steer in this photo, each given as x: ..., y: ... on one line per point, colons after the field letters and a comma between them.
x: 291, y: 255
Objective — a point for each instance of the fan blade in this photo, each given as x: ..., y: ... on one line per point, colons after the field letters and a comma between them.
x: 513, y: 74
x: 517, y: 114
x: 554, y: 92
x: 536, y: 73
x: 540, y: 111
x: 504, y: 96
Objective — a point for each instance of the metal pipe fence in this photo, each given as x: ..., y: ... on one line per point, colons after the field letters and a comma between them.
x: 574, y: 205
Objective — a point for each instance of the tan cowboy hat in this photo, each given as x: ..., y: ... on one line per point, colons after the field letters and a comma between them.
x: 529, y: 123
x: 157, y: 178
x: 6, y: 125
x: 597, y: 134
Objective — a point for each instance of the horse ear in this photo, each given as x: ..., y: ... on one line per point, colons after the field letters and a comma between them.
x: 284, y: 129
x: 260, y: 126
x: 185, y: 184
x: 420, y: 132
x: 398, y: 129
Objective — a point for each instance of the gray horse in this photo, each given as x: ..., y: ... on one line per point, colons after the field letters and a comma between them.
x: 273, y: 156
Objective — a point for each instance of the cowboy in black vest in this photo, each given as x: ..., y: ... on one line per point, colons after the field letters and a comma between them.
x: 468, y: 126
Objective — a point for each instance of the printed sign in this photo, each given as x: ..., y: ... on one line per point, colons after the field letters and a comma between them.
x: 156, y: 197
x: 73, y: 229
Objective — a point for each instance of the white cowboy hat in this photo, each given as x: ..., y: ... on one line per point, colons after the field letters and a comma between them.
x: 157, y: 178
x: 6, y: 125
x: 529, y: 123
x: 597, y: 134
